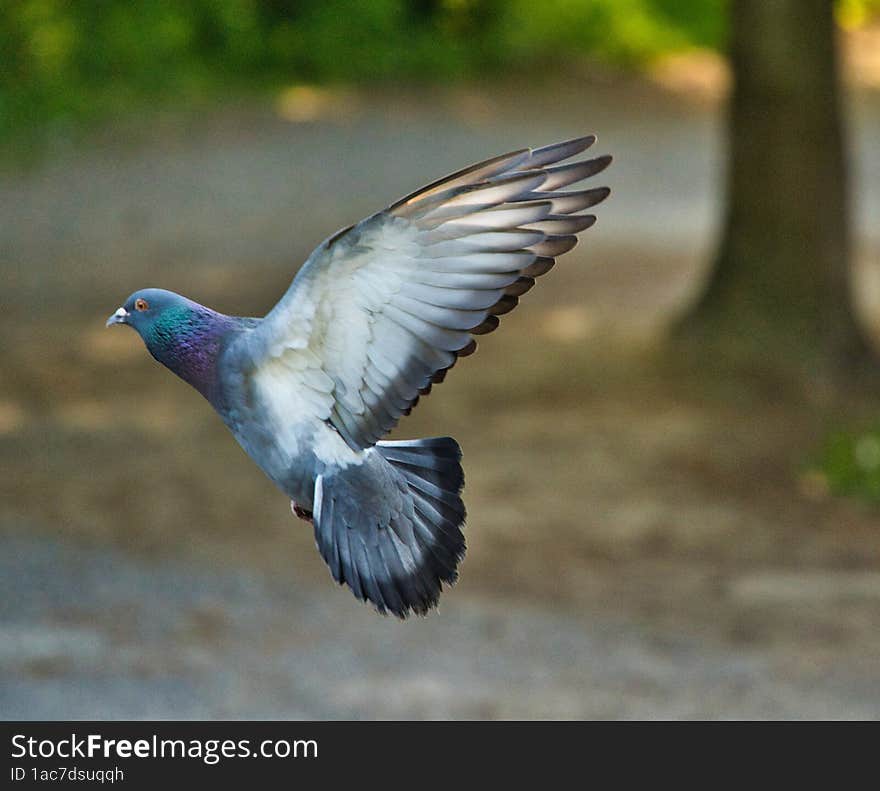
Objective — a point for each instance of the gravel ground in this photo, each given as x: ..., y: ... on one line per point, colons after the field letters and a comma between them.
x: 106, y: 636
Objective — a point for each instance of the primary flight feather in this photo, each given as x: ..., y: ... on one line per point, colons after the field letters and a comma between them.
x: 378, y: 313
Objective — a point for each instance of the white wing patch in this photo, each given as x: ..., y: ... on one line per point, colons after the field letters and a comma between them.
x: 292, y: 386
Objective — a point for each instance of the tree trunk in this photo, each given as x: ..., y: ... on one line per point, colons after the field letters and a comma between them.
x: 782, y: 271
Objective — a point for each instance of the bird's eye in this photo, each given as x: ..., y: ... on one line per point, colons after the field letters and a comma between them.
x: 141, y: 305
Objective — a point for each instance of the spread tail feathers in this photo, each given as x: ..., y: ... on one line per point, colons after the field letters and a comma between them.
x: 390, y: 528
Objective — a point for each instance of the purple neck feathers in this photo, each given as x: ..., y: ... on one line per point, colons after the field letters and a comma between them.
x: 187, y: 339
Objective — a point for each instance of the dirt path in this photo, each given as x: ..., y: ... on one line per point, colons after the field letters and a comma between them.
x: 107, y: 637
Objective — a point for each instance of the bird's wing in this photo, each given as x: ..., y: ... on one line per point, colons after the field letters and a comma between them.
x: 381, y: 310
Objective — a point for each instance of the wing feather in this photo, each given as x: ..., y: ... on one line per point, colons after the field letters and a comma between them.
x: 381, y: 310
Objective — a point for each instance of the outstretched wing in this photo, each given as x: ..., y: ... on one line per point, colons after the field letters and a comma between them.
x: 381, y: 310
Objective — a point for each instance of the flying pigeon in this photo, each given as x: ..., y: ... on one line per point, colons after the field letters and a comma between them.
x: 379, y: 312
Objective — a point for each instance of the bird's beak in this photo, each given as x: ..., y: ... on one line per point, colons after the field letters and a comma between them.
x: 120, y: 317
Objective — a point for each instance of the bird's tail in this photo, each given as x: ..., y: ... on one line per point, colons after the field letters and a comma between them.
x: 391, y: 528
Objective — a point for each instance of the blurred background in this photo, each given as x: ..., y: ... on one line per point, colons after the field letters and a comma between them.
x: 672, y: 448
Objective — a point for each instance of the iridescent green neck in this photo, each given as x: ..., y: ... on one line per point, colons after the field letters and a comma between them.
x: 186, y: 339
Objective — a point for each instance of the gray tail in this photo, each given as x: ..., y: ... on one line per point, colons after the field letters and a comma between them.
x: 391, y: 529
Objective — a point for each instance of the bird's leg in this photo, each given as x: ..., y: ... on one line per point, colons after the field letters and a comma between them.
x: 301, y: 512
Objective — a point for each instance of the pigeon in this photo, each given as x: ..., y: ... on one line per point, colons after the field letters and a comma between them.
x: 378, y: 313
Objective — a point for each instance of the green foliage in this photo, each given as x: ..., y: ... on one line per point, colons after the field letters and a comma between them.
x: 79, y: 59
x: 853, y: 13
x: 628, y: 32
x: 70, y: 60
x: 849, y: 464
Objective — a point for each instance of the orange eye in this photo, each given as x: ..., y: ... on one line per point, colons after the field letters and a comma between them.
x: 141, y: 304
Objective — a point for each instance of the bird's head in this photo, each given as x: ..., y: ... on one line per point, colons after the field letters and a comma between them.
x: 148, y: 307
x: 181, y: 334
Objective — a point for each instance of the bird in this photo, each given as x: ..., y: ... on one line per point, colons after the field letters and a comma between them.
x: 378, y: 314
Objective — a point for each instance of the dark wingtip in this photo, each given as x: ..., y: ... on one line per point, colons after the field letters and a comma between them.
x: 601, y: 162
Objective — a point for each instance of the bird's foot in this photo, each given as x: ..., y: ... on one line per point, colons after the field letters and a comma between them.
x: 301, y: 512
